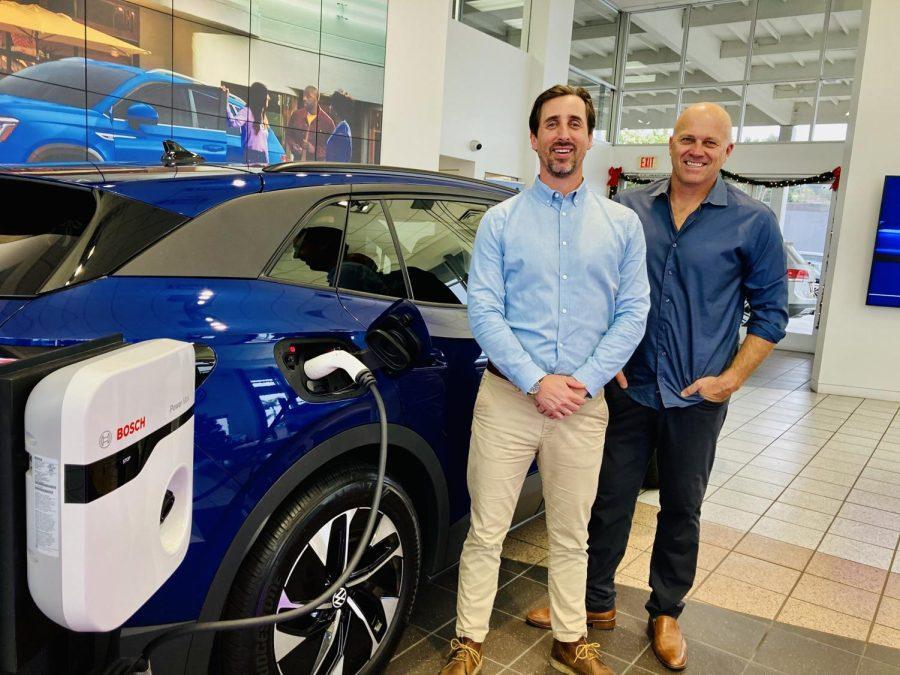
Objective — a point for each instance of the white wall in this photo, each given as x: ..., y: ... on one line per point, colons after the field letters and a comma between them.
x: 486, y: 98
x: 857, y: 353
x: 417, y: 50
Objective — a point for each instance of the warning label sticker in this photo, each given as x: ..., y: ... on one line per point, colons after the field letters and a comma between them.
x: 45, y: 472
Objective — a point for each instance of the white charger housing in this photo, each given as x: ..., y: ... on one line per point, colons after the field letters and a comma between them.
x: 110, y: 483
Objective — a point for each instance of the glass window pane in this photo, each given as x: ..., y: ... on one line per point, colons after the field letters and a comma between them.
x: 653, y: 49
x: 501, y: 19
x: 313, y: 255
x: 370, y: 263
x: 727, y: 97
x: 842, y: 39
x: 352, y: 95
x: 833, y: 114
x: 717, y: 42
x: 594, y: 30
x: 788, y: 40
x: 778, y: 113
x: 647, y: 117
x: 436, y: 239
x: 602, y: 98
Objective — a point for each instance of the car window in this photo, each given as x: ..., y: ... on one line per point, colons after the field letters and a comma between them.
x: 156, y: 94
x: 181, y: 104
x: 370, y: 262
x: 436, y: 238
x: 209, y: 107
x: 313, y: 255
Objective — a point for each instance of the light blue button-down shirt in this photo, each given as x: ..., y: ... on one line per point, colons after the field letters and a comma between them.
x: 559, y: 285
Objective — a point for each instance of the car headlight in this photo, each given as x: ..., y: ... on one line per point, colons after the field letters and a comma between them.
x: 7, y: 125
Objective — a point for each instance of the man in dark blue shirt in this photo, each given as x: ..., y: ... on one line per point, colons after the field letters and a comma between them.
x: 709, y: 246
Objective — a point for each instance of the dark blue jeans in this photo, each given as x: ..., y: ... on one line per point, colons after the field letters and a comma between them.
x: 685, y: 444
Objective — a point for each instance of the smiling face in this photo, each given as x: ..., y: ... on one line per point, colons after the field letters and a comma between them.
x: 562, y: 138
x: 700, y: 145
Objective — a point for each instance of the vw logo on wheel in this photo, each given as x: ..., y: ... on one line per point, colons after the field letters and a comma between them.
x: 339, y: 598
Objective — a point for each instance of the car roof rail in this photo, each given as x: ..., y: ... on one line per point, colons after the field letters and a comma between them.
x: 344, y: 167
x: 175, y: 154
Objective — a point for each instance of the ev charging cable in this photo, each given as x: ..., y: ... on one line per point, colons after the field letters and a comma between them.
x: 315, y: 369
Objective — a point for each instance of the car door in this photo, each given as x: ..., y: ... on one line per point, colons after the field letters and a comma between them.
x: 434, y: 234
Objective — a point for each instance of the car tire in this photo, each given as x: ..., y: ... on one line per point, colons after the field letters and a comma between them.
x: 62, y: 153
x: 299, y: 554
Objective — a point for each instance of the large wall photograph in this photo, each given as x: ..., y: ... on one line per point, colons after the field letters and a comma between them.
x: 884, y: 282
x: 253, y: 81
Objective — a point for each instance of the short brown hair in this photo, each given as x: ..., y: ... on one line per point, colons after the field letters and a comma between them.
x: 557, y: 90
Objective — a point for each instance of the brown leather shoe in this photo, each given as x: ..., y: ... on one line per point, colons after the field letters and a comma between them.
x: 539, y: 617
x: 464, y: 659
x: 667, y: 642
x: 578, y: 658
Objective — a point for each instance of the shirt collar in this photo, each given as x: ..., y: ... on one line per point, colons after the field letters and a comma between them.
x: 548, y: 195
x: 718, y: 194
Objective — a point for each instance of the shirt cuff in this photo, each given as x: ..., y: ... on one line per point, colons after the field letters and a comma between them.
x: 590, y: 378
x: 526, y: 378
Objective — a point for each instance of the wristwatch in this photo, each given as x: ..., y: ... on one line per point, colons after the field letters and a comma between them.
x: 535, y: 388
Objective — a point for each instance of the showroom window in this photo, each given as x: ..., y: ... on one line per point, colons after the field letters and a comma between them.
x: 501, y: 19
x: 784, y: 71
x: 436, y: 238
x: 592, y: 62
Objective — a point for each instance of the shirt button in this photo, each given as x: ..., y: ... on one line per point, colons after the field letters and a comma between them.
x: 565, y: 276
x: 670, y: 272
x: 674, y: 245
x: 668, y: 299
x: 564, y: 213
x: 664, y: 354
x: 564, y: 310
x: 565, y: 243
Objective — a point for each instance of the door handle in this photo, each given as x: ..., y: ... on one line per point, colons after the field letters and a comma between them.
x: 214, y: 148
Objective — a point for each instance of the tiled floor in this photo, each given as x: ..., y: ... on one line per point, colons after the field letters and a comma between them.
x: 798, y: 568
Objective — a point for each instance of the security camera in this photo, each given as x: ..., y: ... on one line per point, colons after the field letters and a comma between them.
x: 475, y: 145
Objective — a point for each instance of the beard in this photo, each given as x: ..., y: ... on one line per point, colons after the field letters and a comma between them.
x: 560, y: 168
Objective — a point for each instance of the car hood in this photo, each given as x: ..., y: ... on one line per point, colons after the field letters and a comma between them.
x: 10, y: 104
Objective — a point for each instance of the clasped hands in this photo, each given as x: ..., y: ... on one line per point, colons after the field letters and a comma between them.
x: 560, y: 396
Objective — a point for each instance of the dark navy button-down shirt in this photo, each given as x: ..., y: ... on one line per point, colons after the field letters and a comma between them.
x: 727, y: 250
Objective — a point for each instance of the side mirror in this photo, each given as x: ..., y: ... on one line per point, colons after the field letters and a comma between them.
x: 140, y: 114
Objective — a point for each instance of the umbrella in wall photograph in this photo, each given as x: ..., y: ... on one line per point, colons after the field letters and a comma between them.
x: 42, y: 25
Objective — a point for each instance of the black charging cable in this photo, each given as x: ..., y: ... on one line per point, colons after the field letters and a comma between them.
x: 124, y: 666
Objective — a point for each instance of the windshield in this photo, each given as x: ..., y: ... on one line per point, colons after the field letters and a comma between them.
x: 70, y: 234
x: 63, y: 82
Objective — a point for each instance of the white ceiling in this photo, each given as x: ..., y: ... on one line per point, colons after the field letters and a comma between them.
x: 632, y: 5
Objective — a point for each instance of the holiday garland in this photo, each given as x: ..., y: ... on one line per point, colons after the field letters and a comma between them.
x: 833, y: 177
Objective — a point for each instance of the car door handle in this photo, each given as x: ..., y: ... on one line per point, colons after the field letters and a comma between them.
x: 214, y: 148
x: 434, y: 359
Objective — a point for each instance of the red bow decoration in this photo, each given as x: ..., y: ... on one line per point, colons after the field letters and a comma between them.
x: 837, y: 178
x: 615, y: 173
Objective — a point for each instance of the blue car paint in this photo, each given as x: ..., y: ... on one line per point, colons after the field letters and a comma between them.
x: 250, y: 425
x: 43, y: 123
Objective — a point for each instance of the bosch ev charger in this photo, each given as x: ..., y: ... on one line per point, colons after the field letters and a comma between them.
x: 108, y: 490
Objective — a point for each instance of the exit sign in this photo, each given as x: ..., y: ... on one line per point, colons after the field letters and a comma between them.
x: 647, y: 162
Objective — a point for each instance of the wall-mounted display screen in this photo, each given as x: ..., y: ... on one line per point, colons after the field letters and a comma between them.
x: 884, y: 281
x: 255, y: 81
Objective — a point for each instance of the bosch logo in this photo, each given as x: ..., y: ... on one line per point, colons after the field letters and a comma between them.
x: 339, y: 598
x: 130, y: 428
x: 105, y: 439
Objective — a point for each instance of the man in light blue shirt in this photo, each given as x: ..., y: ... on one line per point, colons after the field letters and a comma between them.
x: 558, y: 300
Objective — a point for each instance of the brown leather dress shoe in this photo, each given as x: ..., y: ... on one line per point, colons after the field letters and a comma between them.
x: 539, y: 617
x: 464, y: 659
x: 667, y: 642
x: 578, y: 658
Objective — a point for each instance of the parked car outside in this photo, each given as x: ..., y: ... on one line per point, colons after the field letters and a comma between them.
x: 77, y: 109
x: 261, y: 269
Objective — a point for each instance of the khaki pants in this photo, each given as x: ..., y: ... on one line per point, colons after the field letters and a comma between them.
x: 507, y: 433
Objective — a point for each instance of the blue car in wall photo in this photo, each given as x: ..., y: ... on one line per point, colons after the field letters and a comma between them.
x: 261, y: 269
x: 76, y: 109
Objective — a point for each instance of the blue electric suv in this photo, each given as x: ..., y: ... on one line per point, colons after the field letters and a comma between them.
x: 78, y: 109
x: 260, y: 270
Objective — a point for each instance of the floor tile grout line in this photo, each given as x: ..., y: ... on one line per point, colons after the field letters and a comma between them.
x: 887, y: 579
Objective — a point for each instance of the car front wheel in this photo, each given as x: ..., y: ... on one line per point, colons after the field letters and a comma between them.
x: 304, y: 548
